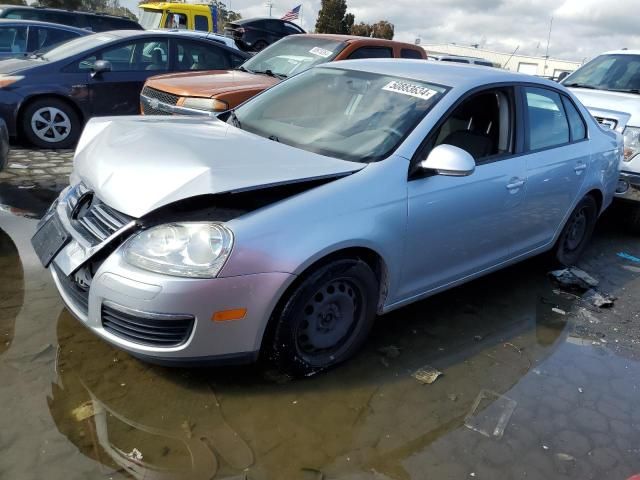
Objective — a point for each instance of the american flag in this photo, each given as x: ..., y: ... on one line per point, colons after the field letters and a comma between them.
x: 292, y: 14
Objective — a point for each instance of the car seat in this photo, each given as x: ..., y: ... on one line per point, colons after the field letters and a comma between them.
x: 156, y: 61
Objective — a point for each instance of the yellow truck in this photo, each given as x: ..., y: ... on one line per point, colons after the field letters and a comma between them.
x: 190, y: 16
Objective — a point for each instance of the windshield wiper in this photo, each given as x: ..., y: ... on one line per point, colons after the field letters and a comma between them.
x: 625, y: 90
x: 274, y: 138
x: 244, y: 69
x: 579, y: 85
x: 270, y: 73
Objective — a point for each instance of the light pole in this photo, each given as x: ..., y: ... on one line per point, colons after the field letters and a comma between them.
x: 270, y: 5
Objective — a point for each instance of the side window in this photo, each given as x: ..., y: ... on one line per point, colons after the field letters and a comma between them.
x: 60, y: 17
x: 13, y: 39
x: 202, y: 23
x: 176, y: 20
x: 371, y: 52
x: 481, y: 125
x: 151, y: 55
x: 291, y: 29
x: 410, y: 53
x: 132, y: 57
x: 547, y: 122
x: 236, y: 61
x: 576, y: 122
x: 25, y: 15
x: 196, y: 56
x: 47, y: 37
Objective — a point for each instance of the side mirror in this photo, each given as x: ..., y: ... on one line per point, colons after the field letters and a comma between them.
x: 100, y: 66
x: 449, y: 160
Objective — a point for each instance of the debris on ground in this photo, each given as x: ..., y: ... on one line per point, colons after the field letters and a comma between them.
x: 588, y: 316
x: 628, y: 256
x: 580, y: 390
x: 597, y: 299
x: 427, y: 374
x: 135, y: 454
x: 187, y: 428
x: 84, y: 411
x: 453, y: 397
x: 390, y: 351
x: 477, y: 338
x: 559, y: 311
x: 565, y: 457
x: 573, y: 278
x: 490, y: 414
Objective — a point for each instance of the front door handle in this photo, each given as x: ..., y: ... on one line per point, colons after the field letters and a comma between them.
x: 579, y: 168
x: 515, y: 183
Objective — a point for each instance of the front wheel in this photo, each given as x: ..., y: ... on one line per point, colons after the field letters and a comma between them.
x: 326, y: 318
x: 51, y: 123
x: 577, y: 231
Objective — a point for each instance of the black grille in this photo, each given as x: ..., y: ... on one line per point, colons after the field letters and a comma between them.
x: 164, y: 331
x: 149, y: 110
x: 161, y: 96
x: 77, y: 294
x: 93, y: 219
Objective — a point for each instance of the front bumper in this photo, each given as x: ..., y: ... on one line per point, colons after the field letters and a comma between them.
x: 144, y: 313
x: 628, y: 186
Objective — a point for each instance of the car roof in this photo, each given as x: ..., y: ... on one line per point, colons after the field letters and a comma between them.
x: 37, y: 23
x: 621, y: 52
x: 455, y: 75
x: 78, y: 12
x: 356, y: 39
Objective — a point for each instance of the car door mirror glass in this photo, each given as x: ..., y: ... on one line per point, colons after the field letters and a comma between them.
x: 100, y: 66
x: 449, y: 160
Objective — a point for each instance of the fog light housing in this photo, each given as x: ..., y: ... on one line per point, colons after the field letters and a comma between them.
x: 622, y: 187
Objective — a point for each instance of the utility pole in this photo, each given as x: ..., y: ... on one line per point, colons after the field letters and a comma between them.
x: 546, y: 55
x: 270, y: 5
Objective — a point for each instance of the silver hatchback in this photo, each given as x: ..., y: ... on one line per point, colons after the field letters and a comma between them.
x: 286, y: 225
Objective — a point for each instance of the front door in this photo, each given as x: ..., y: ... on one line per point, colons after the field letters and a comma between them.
x: 117, y: 92
x: 459, y: 226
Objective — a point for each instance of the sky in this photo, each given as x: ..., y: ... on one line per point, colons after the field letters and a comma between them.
x: 581, y: 28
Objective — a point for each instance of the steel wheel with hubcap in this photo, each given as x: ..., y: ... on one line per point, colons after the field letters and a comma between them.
x: 577, y: 231
x: 326, y: 318
x: 51, y: 123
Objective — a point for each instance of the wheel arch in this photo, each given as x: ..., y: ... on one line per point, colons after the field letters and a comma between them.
x: 598, y: 196
x: 34, y: 98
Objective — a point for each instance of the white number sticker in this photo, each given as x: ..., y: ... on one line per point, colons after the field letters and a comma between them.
x: 410, y: 89
x: 321, y: 52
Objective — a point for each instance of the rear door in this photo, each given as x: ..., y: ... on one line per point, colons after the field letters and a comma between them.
x: 557, y: 158
x: 117, y: 92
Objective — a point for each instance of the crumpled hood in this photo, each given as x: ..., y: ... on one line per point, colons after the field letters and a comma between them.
x: 137, y: 164
x: 623, y: 107
x: 209, y: 83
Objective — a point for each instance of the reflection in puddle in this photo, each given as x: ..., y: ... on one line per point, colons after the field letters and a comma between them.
x: 11, y: 289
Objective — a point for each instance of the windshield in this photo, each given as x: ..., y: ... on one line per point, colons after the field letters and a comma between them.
x: 294, y: 54
x: 608, y: 72
x: 150, y: 19
x: 75, y: 46
x: 351, y: 115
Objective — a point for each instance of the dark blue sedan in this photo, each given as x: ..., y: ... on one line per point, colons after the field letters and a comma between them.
x: 47, y: 98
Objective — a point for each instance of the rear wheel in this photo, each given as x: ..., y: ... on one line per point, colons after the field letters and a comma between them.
x: 51, y: 123
x: 577, y: 231
x: 326, y: 318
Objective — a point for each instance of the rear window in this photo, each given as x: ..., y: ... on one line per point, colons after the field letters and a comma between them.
x: 410, y: 53
x: 371, y: 52
x: 547, y: 123
x: 202, y: 23
x: 98, y: 23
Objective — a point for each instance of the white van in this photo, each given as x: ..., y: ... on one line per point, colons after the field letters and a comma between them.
x: 609, y: 86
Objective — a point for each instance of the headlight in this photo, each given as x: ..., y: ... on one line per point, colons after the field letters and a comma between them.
x: 6, y: 80
x: 631, y: 143
x: 206, y: 104
x: 181, y: 249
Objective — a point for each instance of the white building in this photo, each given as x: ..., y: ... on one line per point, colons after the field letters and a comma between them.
x: 549, y: 67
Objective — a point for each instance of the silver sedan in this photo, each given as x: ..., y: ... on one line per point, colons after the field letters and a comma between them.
x: 286, y: 225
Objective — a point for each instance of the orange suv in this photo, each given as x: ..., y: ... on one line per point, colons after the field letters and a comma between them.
x: 201, y: 93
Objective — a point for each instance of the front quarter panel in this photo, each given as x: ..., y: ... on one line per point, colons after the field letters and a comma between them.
x: 366, y: 209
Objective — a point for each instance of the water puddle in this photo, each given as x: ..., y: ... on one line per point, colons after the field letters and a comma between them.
x: 528, y: 389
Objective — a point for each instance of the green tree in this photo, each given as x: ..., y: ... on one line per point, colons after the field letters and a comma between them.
x: 333, y: 17
x: 66, y: 4
x: 381, y: 29
x: 361, y: 30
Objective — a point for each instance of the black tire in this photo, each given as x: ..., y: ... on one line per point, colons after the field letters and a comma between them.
x: 634, y: 219
x: 326, y: 319
x: 51, y: 123
x: 577, y: 232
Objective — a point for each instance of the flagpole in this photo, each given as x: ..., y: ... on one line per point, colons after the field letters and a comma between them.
x: 300, y: 15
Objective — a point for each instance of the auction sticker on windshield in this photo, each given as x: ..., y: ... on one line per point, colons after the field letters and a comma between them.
x: 321, y: 52
x: 407, y: 88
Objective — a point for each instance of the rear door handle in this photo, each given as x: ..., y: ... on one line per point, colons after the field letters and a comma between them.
x: 515, y: 183
x: 579, y: 168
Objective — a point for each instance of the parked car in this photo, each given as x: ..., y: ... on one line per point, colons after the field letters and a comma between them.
x: 255, y: 34
x: 96, y: 22
x: 460, y: 59
x: 350, y: 190
x: 21, y: 38
x: 216, y: 91
x: 4, y: 145
x: 214, y: 37
x: 47, y: 99
x: 609, y: 86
